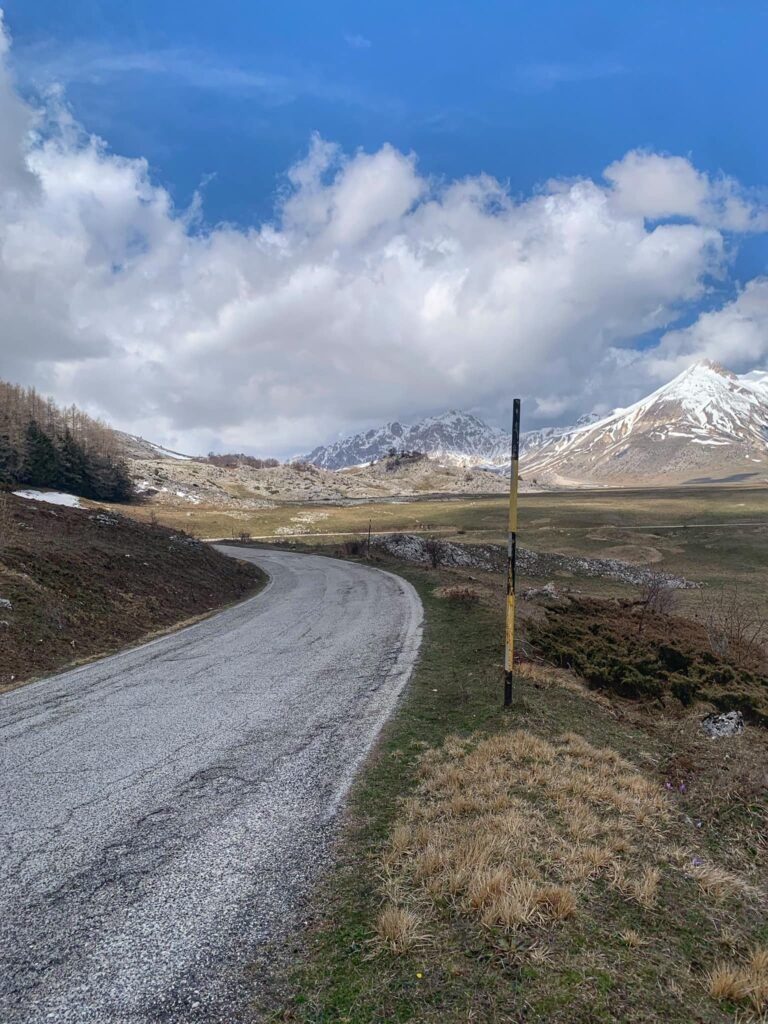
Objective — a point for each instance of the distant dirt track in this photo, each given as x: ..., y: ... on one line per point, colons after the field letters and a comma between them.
x: 166, y: 810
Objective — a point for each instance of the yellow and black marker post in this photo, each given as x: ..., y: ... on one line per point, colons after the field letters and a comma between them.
x: 509, y: 646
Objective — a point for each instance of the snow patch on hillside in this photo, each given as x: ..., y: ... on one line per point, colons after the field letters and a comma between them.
x: 50, y: 497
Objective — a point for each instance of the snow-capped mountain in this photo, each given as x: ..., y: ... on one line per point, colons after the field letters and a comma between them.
x: 531, y: 440
x: 454, y: 437
x: 707, y: 424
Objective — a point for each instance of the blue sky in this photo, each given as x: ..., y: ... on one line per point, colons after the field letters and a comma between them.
x: 385, y: 244
x: 519, y: 90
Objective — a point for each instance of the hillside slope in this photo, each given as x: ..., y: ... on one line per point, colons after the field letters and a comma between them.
x: 78, y: 582
x: 191, y: 482
x: 706, y: 425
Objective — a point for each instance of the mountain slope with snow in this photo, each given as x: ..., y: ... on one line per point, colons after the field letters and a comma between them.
x: 706, y: 425
x: 457, y: 438
x: 134, y: 447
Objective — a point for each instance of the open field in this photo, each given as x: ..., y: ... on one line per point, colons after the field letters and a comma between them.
x: 714, y: 535
x: 578, y: 859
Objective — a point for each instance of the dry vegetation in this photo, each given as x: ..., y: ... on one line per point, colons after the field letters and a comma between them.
x: 516, y: 831
x: 590, y: 858
x: 518, y: 835
x: 745, y: 982
x: 460, y: 593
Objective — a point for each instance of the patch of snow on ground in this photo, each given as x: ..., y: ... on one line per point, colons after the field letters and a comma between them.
x: 51, y: 497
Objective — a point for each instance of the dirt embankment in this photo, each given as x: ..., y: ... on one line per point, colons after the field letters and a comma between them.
x: 79, y: 582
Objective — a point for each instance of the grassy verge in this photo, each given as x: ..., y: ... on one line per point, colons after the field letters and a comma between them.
x: 577, y: 859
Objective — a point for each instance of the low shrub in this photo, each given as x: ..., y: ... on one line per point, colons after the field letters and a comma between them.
x: 354, y: 548
x: 458, y: 594
x: 672, y: 656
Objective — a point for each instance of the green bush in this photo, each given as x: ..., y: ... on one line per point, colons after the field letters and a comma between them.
x: 600, y: 641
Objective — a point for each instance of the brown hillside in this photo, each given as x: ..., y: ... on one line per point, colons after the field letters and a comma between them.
x: 81, y: 582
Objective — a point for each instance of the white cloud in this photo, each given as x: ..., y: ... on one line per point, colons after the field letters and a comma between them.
x: 654, y: 186
x: 377, y: 292
x: 735, y: 335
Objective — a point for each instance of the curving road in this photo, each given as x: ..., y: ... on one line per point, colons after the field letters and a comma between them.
x: 164, y: 811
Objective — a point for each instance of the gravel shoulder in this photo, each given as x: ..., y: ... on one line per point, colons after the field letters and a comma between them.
x: 166, y: 810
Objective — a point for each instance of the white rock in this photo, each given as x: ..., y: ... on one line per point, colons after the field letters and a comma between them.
x: 729, y: 724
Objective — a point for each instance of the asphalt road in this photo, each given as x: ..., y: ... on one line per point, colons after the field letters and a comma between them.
x: 165, y: 811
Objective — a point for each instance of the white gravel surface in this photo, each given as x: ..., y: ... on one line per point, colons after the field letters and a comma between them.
x: 165, y: 811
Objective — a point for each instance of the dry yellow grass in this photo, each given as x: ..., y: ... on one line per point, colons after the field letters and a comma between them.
x: 399, y: 929
x: 742, y: 982
x: 513, y: 830
x: 520, y: 834
x: 717, y: 882
x: 632, y: 938
x: 726, y: 982
x: 461, y: 594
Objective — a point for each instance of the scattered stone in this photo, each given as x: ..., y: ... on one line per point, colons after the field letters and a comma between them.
x: 548, y: 590
x: 105, y: 519
x: 5, y: 603
x: 719, y: 726
x: 412, y: 547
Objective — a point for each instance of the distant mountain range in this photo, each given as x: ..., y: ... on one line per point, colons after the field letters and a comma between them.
x: 706, y: 425
x: 458, y: 438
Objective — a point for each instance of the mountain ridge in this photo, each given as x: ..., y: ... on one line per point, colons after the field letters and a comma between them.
x: 672, y: 434
x: 705, y: 425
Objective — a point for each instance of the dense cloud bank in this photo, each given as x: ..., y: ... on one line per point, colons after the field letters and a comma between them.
x: 376, y: 292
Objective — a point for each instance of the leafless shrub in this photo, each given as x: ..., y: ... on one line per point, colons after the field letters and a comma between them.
x: 736, y: 628
x: 435, y: 551
x: 656, y: 598
x: 244, y: 537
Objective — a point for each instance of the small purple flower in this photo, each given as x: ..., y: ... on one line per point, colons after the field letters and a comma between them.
x: 697, y: 862
x: 668, y: 785
x: 682, y: 787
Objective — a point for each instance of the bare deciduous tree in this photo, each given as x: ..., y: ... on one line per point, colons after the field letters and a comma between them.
x: 657, y: 598
x: 736, y: 627
x: 435, y: 550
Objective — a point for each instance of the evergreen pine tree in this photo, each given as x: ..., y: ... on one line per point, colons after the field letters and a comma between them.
x: 73, y: 466
x: 40, y: 466
x: 122, y: 489
x: 9, y: 461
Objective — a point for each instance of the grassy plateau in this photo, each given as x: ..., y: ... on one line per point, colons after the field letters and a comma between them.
x: 577, y: 858
x: 580, y: 857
